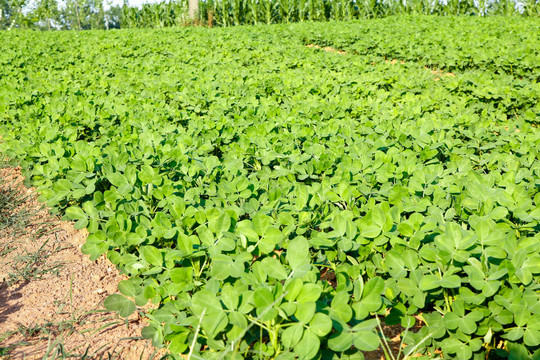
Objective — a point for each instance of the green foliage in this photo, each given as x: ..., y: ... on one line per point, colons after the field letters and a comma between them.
x: 52, y: 15
x: 47, y: 11
x: 274, y: 200
x: 483, y: 44
x: 242, y: 12
x: 91, y: 14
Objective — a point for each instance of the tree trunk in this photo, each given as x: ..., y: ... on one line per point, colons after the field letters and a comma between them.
x: 77, y: 12
x: 193, y: 10
x: 210, y: 18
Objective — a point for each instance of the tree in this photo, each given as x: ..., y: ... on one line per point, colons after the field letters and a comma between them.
x: 85, y: 15
x: 12, y: 13
x: 113, y: 17
x: 96, y: 13
x: 6, y: 12
x: 47, y: 11
x: 70, y: 16
x: 193, y: 10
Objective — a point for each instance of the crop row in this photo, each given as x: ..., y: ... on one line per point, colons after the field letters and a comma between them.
x: 451, y: 43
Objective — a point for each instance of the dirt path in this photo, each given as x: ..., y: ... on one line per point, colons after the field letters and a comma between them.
x: 51, y: 295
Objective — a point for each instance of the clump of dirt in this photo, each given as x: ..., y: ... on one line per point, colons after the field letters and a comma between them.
x: 51, y: 295
x: 326, y: 48
x: 440, y: 74
x: 394, y: 61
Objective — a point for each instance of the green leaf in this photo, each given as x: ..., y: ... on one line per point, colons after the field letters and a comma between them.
x: 517, y: 351
x: 298, y: 253
x: 499, y: 213
x: 179, y: 343
x: 128, y: 288
x: 263, y: 298
x: 214, y: 323
x: 150, y: 332
x: 531, y: 337
x: 221, y: 266
x: 407, y: 286
x: 181, y: 275
x: 309, y: 293
x: 405, y: 229
x: 94, y: 248
x: 62, y: 185
x: 340, y: 306
x: 467, y: 325
x: 270, y: 239
x: 374, y: 286
x: 451, y: 320
x: 451, y: 345
x: 366, y: 340
x: 521, y: 315
x: 514, y: 334
x: 321, y: 324
x: 340, y: 224
x: 464, y: 352
x: 293, y: 288
x: 274, y: 268
x: 120, y: 304
x: 223, y: 223
x: 378, y: 216
x: 152, y: 255
x: 75, y: 213
x: 205, y: 301
x: 117, y: 179
x: 308, y: 347
x: 261, y: 223
x: 452, y: 281
x: 396, y: 264
x: 370, y: 231
x: 367, y: 305
x: 429, y: 282
x: 341, y: 341
x: 292, y: 335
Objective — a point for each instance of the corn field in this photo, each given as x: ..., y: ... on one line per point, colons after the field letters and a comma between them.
x: 242, y: 12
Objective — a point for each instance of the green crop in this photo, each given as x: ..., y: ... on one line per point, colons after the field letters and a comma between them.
x: 494, y: 44
x: 278, y: 201
x: 252, y: 12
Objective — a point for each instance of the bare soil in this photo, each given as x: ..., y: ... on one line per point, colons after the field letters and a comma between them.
x: 326, y: 48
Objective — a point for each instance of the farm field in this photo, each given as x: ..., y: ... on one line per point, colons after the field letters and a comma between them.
x: 275, y: 200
